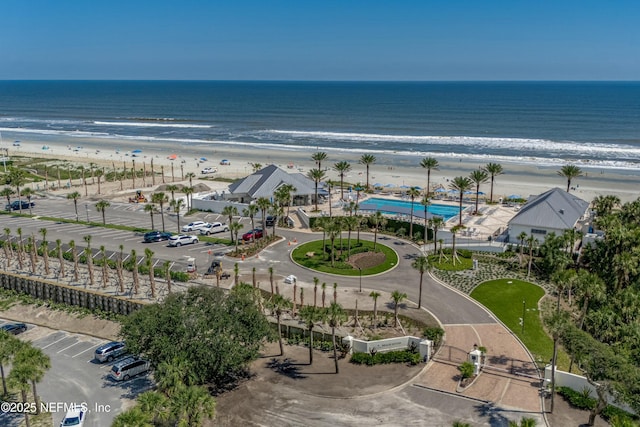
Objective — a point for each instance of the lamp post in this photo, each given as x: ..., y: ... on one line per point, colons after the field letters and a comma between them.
x: 86, y: 206
x: 360, y: 271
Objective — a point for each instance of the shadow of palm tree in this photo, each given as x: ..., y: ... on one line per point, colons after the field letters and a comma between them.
x: 286, y: 367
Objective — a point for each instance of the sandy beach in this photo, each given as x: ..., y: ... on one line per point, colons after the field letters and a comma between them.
x: 400, y: 169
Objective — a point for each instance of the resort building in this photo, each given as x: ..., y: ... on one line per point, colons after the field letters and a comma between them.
x: 267, y: 180
x: 552, y: 211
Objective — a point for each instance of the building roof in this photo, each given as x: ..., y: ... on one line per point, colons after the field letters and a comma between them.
x: 264, y: 182
x: 553, y: 209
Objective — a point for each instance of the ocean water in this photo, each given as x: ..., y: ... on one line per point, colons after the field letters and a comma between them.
x: 543, y: 123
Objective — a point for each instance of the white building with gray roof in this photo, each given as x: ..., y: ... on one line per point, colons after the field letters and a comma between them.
x: 552, y: 211
x: 267, y: 180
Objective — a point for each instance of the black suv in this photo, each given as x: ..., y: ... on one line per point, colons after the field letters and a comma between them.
x: 156, y: 236
x: 15, y: 206
x: 271, y: 220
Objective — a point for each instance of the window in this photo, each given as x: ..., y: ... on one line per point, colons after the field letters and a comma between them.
x: 538, y: 231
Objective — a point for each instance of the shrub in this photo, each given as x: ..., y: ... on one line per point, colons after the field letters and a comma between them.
x: 466, y: 370
x: 434, y: 334
x: 400, y: 356
x: 579, y: 400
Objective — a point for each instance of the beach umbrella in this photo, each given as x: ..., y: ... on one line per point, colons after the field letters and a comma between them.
x: 172, y: 156
x: 417, y: 188
x: 389, y: 185
x: 514, y: 196
x: 136, y: 152
x: 469, y: 192
x: 377, y: 184
x: 441, y: 190
x: 404, y: 186
x: 203, y: 159
x: 481, y: 193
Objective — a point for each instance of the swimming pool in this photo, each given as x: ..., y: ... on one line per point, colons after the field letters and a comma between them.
x: 389, y: 206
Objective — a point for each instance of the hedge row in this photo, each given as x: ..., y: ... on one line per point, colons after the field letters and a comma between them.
x: 400, y: 356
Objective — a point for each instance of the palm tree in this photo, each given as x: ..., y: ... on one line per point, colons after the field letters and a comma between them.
x: 74, y: 254
x: 166, y: 266
x: 101, y: 207
x: 176, y: 205
x: 150, y: 207
x: 478, y: 177
x: 7, y: 192
x: 324, y: 292
x: 37, y: 363
x: 156, y: 404
x: 413, y: 192
x: 333, y: 229
x: 397, y: 297
x: 19, y: 377
x: 342, y: 168
x: 17, y: 178
x: 283, y: 196
x: 160, y: 199
x: 278, y: 304
x: 20, y: 247
x: 426, y: 201
x: 60, y: 257
x: 367, y: 160
x: 521, y: 237
x: 190, y: 176
x: 570, y: 172
x: 89, y: 257
x: 133, y: 417
x: 263, y: 204
x: 454, y: 232
x: 604, y: 205
x: 99, y: 174
x: 375, y: 295
x: 188, y: 191
x: 230, y: 211
x: 45, y: 250
x: 379, y: 221
x: 319, y: 157
x: 28, y: 193
x: 9, y: 345
x: 136, y: 279
x: 316, y: 175
x: 193, y: 404
x: 350, y: 222
x: 310, y: 315
x: 334, y: 314
x: 234, y: 228
x: 251, y: 211
x: 430, y: 164
x: 74, y: 196
x: 460, y: 184
x: 172, y: 188
x: 493, y: 169
x: 148, y: 253
x: 105, y: 266
x: 421, y: 264
x: 531, y: 242
x: 335, y: 292
x: 31, y: 244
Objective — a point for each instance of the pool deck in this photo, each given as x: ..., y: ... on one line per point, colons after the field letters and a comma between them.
x: 491, y: 218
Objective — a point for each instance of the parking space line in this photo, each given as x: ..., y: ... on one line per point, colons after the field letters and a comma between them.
x: 75, y: 343
x: 49, y: 345
x: 83, y: 351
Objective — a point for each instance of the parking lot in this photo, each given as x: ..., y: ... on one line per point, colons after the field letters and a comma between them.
x: 75, y: 377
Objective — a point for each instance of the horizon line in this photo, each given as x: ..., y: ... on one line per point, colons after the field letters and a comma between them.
x: 326, y: 81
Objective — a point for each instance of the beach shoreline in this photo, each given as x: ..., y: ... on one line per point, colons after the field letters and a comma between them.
x: 398, y: 170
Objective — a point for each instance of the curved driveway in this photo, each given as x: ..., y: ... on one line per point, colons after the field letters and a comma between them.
x: 446, y: 304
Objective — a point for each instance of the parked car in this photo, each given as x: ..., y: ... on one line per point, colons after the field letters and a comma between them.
x: 194, y: 226
x: 182, y: 239
x: 75, y: 416
x: 270, y: 220
x: 156, y: 236
x: 209, y: 170
x: 129, y: 367
x: 290, y: 279
x: 214, y: 227
x: 15, y: 205
x: 14, y: 328
x: 110, y: 351
x: 249, y: 235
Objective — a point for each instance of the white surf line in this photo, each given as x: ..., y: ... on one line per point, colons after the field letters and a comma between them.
x: 49, y: 345
x: 75, y: 343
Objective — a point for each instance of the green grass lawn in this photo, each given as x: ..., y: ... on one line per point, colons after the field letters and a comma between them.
x: 504, y: 297
x: 321, y: 262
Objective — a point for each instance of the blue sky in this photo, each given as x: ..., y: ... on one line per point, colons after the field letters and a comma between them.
x: 320, y: 40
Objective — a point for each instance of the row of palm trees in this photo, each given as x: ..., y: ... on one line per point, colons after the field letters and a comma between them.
x: 20, y: 251
x: 28, y: 366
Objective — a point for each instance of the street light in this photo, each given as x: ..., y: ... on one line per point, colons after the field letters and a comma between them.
x: 86, y: 205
